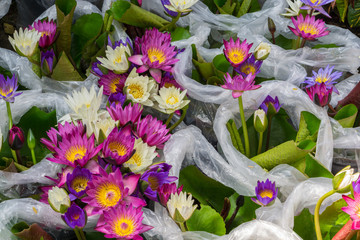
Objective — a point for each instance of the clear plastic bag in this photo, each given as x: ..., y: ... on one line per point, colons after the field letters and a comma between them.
x: 4, y: 7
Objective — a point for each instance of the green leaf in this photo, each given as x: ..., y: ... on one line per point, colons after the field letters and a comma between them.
x: 317, y: 46
x: 5, y: 72
x: 304, y: 225
x: 346, y: 115
x: 255, y: 6
x: 221, y: 63
x: 353, y: 16
x: 220, y: 3
x: 227, y: 7
x: 315, y: 169
x: 19, y: 227
x: 65, y: 12
x: 65, y: 71
x: 34, y: 232
x: 308, y: 127
x: 283, y: 42
x: 85, y: 31
x: 342, y: 7
x: 206, y: 190
x: 211, y: 4
x: 135, y: 16
x: 180, y: 33
x: 216, y: 81
x: 205, y: 69
x: 208, y: 220
x: 245, y: 6
x: 96, y: 236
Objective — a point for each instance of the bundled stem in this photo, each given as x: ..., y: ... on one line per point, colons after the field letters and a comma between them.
x: 243, y: 122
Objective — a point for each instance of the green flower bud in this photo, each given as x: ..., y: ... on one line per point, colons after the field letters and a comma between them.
x: 343, y: 179
x: 31, y: 140
x: 262, y: 51
x: 260, y: 121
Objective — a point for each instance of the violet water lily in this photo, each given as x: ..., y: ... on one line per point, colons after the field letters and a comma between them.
x: 266, y: 193
x: 48, y: 60
x: 271, y: 104
x: 251, y: 65
x: 326, y: 76
x: 316, y: 5
x: 77, y: 181
x: 8, y: 87
x: 75, y: 216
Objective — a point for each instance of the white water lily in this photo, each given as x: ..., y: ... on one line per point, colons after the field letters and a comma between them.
x: 25, y: 41
x: 184, y: 205
x: 171, y: 99
x: 116, y: 59
x: 293, y: 9
x: 85, y: 104
x: 181, y: 6
x: 139, y: 88
x: 58, y: 199
x: 142, y: 158
x: 262, y: 51
x: 343, y: 179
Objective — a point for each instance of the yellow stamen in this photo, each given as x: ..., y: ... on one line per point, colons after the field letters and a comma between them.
x: 136, y: 90
x: 266, y: 193
x: 76, y: 216
x: 236, y: 55
x: 153, y: 182
x: 168, y: 85
x: 75, y: 153
x: 79, y: 184
x: 108, y: 194
x: 117, y: 59
x: 45, y: 33
x: 112, y: 86
x: 118, y: 147
x: 124, y: 227
x: 320, y: 79
x: 5, y: 93
x: 135, y: 159
x: 156, y: 55
x: 307, y: 28
x: 172, y: 99
x: 247, y: 69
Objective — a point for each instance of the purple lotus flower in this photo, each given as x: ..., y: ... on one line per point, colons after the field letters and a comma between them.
x: 356, y: 186
x: 16, y: 138
x: 168, y: 80
x: 119, y: 146
x: 171, y: 13
x: 120, y: 42
x: 153, y: 131
x: 117, y: 98
x: 239, y: 84
x: 319, y: 94
x: 353, y: 209
x: 324, y: 76
x: 308, y: 28
x: 8, y: 88
x: 47, y: 61
x: 156, y: 176
x: 271, y: 102
x: 95, y: 69
x: 166, y: 190
x: 75, y: 216
x: 265, y: 193
x: 316, y: 5
x: 156, y: 53
x: 129, y: 113
x: 47, y: 30
x: 112, y: 82
x: 122, y: 222
x: 108, y: 190
x: 251, y: 65
x: 236, y: 52
x: 77, y: 181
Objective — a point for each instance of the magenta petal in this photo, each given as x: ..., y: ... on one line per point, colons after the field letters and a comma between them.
x: 136, y: 202
x: 142, y: 69
x: 136, y: 59
x: 137, y: 237
x: 236, y: 94
x: 131, y: 182
x: 93, y: 167
x: 356, y: 225
x: 156, y: 74
x: 140, y: 2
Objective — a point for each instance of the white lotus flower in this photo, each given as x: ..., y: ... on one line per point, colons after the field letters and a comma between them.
x: 85, y: 104
x: 139, y: 88
x: 171, y: 99
x: 58, y: 199
x: 142, y: 158
x: 104, y: 123
x: 181, y: 6
x: 294, y: 8
x: 343, y: 179
x: 26, y: 41
x: 116, y: 59
x: 262, y: 51
x: 183, y: 204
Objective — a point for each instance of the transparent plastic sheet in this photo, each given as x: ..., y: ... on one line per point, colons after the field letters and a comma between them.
x: 4, y: 7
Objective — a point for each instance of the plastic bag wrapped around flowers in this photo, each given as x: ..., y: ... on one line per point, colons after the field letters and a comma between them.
x: 4, y: 6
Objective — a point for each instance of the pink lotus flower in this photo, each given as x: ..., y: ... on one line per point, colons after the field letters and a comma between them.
x: 47, y: 30
x: 239, y: 84
x: 166, y: 190
x: 156, y: 53
x: 119, y: 146
x: 236, y: 52
x: 122, y: 222
x: 112, y: 82
x: 353, y: 209
x: 153, y: 131
x: 130, y: 113
x: 319, y: 94
x: 108, y: 190
x: 308, y: 28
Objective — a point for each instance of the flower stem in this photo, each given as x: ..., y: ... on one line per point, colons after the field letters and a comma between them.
x: 18, y: 157
x: 297, y: 44
x: 183, y: 227
x: 33, y: 156
x: 13, y: 153
x: 109, y: 23
x: 180, y: 119
x: 171, y: 24
x: 331, y: 108
x: 169, y: 119
x: 79, y: 233
x: 316, y: 213
x: 235, y: 136
x: 303, y: 43
x: 261, y: 135
x: 82, y: 234
x: 243, y: 122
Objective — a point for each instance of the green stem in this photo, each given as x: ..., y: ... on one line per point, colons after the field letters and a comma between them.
x: 183, y: 227
x: 268, y: 134
x: 106, y: 19
x: 243, y: 122
x: 179, y: 121
x: 9, y: 115
x: 260, y: 142
x: 109, y: 23
x: 33, y: 156
x: 297, y: 43
x: 82, y: 234
x: 303, y: 43
x: 79, y: 233
x: 169, y: 119
x: 18, y: 157
x: 316, y: 213
x: 171, y: 24
x: 235, y: 136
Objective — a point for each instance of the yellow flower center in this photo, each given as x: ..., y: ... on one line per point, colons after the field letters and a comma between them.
x: 108, y: 194
x: 76, y: 216
x: 136, y: 90
x: 247, y: 69
x: 135, y: 159
x: 153, y: 182
x: 47, y: 33
x: 79, y: 183
x: 172, y: 99
x: 266, y: 193
x: 75, y: 153
x: 5, y: 93
x: 168, y: 85
x: 124, y: 227
x: 117, y: 59
x: 307, y: 28
x: 156, y: 55
x: 236, y: 56
x: 314, y: 1
x: 118, y: 147
x: 321, y: 79
x: 113, y: 86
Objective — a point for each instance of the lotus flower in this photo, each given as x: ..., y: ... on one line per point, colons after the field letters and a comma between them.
x: 129, y: 113
x: 16, y: 138
x: 116, y: 59
x: 47, y: 61
x: 316, y: 5
x: 171, y: 99
x: 77, y: 181
x: 236, y: 52
x: 166, y: 190
x: 178, y: 6
x: 112, y: 82
x: 25, y: 41
x: 75, y: 216
x: 319, y: 94
x: 47, y: 31
x: 249, y: 66
x: 58, y: 199
x: 239, y: 84
x: 8, y: 88
x: 183, y: 204
x: 266, y: 193
x: 324, y: 76
x: 272, y: 103
x: 353, y: 209
x: 308, y: 28
x: 153, y: 131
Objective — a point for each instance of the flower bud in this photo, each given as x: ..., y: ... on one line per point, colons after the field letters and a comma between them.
x: 260, y: 121
x: 59, y: 199
x: 262, y: 51
x: 343, y: 179
x: 16, y: 138
x: 31, y: 139
x: 48, y: 61
x: 271, y: 26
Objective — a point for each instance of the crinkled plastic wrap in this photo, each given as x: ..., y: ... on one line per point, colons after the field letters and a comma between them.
x: 4, y: 7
